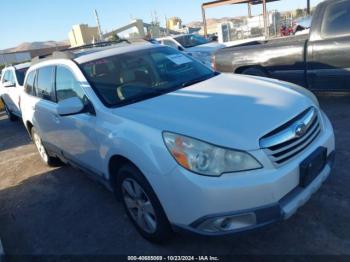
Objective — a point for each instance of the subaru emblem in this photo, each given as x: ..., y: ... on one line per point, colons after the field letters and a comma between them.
x: 300, y: 130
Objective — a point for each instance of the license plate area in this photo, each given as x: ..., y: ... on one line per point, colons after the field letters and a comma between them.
x: 312, y: 166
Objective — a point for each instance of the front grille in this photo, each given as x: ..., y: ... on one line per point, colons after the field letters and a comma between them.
x: 292, y: 138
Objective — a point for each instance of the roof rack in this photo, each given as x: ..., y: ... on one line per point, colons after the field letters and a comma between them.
x: 54, y: 55
x: 98, y: 44
x: 68, y: 53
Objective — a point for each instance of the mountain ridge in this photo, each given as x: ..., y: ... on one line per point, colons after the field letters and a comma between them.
x: 25, y: 46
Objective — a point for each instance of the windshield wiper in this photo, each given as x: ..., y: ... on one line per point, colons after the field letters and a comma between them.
x: 198, y: 80
x: 139, y: 98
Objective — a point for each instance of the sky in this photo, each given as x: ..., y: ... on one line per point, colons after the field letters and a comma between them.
x: 43, y: 20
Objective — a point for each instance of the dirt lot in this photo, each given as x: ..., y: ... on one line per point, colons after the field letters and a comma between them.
x: 61, y: 211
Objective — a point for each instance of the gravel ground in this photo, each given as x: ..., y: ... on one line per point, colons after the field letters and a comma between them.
x: 61, y: 211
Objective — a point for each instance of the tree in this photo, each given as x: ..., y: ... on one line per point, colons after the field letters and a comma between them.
x: 115, y: 37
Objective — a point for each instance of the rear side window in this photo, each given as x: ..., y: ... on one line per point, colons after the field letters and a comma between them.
x: 20, y: 74
x: 337, y: 20
x: 45, y: 87
x: 66, y: 85
x: 29, y: 85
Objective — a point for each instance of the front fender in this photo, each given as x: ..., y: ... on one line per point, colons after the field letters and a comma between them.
x: 149, y: 155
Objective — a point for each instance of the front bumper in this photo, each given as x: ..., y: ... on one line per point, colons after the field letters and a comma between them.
x: 269, y: 194
x: 266, y: 215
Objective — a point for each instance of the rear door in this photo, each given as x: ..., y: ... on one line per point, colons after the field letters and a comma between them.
x: 18, y: 90
x: 329, y: 56
x: 29, y: 99
x: 45, y: 108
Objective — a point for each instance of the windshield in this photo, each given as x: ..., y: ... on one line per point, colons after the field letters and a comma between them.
x: 136, y: 76
x: 188, y: 41
x: 20, y: 74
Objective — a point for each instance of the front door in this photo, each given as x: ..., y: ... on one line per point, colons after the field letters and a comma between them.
x: 76, y: 134
x: 9, y: 92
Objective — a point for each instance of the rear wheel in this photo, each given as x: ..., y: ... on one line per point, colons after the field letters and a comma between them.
x: 255, y: 71
x: 45, y: 157
x: 142, y: 205
x: 10, y: 115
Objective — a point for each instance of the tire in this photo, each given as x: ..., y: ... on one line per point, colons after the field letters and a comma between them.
x: 45, y: 157
x: 142, y: 205
x: 254, y: 71
x: 10, y: 115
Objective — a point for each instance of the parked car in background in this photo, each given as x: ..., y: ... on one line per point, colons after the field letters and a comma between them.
x: 183, y: 147
x: 194, y: 45
x: 318, y: 61
x: 302, y: 26
x: 11, y: 88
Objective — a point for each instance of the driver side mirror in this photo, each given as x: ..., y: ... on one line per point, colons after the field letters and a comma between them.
x: 8, y: 84
x: 70, y: 106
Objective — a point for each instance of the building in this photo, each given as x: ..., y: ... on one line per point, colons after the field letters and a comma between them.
x: 25, y: 56
x: 174, y: 23
x: 82, y: 34
x: 212, y: 29
x: 138, y: 29
x: 14, y: 57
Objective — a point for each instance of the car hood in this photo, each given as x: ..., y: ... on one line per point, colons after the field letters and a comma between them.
x: 209, y: 47
x: 229, y: 110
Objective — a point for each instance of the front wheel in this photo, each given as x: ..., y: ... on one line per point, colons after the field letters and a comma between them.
x: 142, y: 205
x: 45, y: 157
x: 10, y: 115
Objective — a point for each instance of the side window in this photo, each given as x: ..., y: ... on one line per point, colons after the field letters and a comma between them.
x: 8, y: 77
x: 170, y: 43
x: 5, y: 77
x: 29, y: 85
x: 66, y: 85
x: 21, y: 74
x: 336, y: 20
x: 11, y: 77
x: 44, y: 88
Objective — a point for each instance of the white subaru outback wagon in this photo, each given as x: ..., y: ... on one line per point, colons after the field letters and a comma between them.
x: 183, y: 147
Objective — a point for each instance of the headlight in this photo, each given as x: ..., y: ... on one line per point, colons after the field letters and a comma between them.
x: 206, y: 159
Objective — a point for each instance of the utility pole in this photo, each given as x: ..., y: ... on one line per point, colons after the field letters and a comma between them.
x: 249, y: 10
x: 265, y: 19
x: 204, y: 22
x: 166, y: 25
x: 308, y: 7
x: 98, y: 26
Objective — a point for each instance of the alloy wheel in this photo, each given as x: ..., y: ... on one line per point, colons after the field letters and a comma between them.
x: 139, y: 205
x: 40, y: 147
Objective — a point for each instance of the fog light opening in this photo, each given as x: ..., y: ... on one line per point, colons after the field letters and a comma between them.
x: 228, y: 223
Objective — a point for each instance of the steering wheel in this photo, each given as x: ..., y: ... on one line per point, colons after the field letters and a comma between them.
x: 130, y: 90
